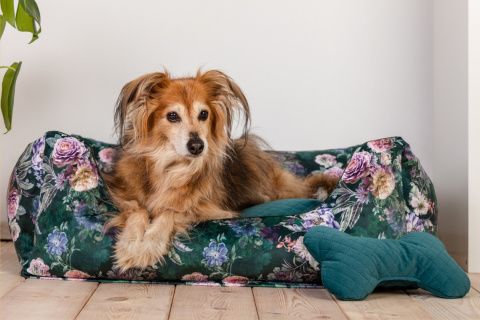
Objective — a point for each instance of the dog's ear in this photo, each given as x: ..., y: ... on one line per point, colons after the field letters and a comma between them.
x: 133, y: 110
x: 228, y: 96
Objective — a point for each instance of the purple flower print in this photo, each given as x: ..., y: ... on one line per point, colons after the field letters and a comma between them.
x: 56, y: 242
x: 62, y: 178
x: 295, y: 168
x: 395, y: 219
x: 414, y: 223
x: 215, y: 255
x: 80, y: 211
x: 68, y: 151
x: 89, y: 222
x: 35, y: 208
x: 38, y: 148
x: 358, y: 167
x: 282, y: 156
x: 362, y: 192
x: 244, y: 226
x: 38, y: 176
x: 319, y: 217
x: 79, y: 208
x: 270, y: 233
x: 407, y: 153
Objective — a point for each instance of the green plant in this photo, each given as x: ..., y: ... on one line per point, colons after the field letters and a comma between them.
x: 25, y: 18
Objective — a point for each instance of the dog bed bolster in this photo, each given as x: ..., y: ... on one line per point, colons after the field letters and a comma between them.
x: 58, y: 205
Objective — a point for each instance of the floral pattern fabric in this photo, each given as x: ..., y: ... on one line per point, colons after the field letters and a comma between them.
x: 57, y: 206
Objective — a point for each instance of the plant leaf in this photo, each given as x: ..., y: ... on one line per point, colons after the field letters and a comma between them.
x: 174, y: 257
x: 31, y: 8
x: 294, y: 227
x: 89, y: 198
x: 21, y: 210
x: 3, y: 23
x: 180, y: 246
x: 8, y: 93
x: 25, y: 185
x: 8, y: 10
x: 51, y: 142
x: 25, y: 23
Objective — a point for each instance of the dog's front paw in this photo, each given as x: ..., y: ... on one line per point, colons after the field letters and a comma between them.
x: 138, y: 253
x: 321, y: 194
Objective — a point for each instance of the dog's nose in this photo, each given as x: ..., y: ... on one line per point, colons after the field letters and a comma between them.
x: 195, y: 146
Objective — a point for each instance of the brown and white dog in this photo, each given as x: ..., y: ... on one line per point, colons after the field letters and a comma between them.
x: 178, y: 164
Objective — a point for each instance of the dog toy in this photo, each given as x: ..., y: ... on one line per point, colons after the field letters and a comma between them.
x: 352, y: 267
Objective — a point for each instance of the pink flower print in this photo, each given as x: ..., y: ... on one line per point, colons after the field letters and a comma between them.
x: 382, y: 145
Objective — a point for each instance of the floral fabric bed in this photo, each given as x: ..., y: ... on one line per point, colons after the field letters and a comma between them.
x: 58, y: 205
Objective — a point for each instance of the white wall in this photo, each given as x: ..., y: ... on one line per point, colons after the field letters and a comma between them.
x: 318, y: 74
x: 450, y: 99
x: 473, y: 135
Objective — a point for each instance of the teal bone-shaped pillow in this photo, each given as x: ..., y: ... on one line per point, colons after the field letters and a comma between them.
x: 351, y: 267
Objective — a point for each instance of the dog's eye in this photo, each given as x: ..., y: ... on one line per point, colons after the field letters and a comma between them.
x: 203, y: 115
x: 173, y: 117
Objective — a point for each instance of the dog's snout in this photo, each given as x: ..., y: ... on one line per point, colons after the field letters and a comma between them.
x: 195, y: 145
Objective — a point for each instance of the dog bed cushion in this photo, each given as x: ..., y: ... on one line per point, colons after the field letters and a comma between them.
x: 58, y: 205
x: 352, y: 267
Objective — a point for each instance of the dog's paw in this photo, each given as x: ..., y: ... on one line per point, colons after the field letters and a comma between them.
x: 321, y: 194
x: 138, y: 253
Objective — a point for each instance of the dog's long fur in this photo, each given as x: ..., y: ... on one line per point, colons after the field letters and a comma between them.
x: 161, y: 188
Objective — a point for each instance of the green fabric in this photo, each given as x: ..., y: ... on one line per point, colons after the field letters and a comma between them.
x: 58, y: 205
x: 352, y: 267
x: 281, y: 208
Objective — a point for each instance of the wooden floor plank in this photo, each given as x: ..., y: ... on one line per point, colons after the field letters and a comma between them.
x: 46, y: 299
x: 475, y: 280
x: 293, y: 303
x: 9, y: 268
x: 129, y: 301
x: 391, y: 304
x: 197, y: 302
x: 464, y: 308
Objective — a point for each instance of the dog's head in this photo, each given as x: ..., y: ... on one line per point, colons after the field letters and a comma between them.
x: 191, y: 116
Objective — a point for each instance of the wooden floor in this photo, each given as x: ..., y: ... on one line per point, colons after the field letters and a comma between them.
x: 42, y: 299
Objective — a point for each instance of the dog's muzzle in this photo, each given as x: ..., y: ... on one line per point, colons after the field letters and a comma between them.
x: 195, y: 145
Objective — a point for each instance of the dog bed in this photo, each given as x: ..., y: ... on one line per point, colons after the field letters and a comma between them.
x: 58, y: 205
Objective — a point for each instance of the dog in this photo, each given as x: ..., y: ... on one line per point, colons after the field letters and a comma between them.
x: 178, y: 165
